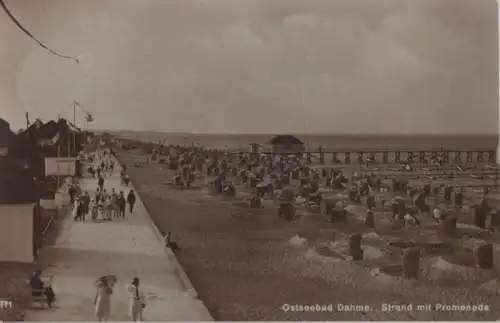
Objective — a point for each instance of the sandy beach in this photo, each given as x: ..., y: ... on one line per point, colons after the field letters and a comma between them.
x: 251, y: 267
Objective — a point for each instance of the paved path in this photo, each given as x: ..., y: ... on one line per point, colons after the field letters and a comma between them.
x: 126, y: 248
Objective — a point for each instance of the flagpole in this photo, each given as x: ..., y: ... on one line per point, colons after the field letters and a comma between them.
x: 69, y: 140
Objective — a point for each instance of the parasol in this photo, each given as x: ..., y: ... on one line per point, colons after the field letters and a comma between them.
x: 111, y: 279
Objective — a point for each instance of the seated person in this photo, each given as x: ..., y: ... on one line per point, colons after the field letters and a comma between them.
x: 38, y: 287
x: 125, y: 179
x: 171, y: 244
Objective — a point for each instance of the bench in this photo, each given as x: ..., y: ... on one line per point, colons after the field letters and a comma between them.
x: 38, y: 296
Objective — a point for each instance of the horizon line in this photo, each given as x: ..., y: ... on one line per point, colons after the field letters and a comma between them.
x: 298, y: 133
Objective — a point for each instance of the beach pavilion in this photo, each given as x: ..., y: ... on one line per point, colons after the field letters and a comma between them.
x: 287, y: 144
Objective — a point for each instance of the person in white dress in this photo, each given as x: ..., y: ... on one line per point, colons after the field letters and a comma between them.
x: 74, y: 211
x: 436, y: 214
x: 102, y: 300
x: 136, y: 300
x: 108, y: 209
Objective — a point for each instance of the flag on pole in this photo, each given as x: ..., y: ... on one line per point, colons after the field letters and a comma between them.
x: 88, y: 117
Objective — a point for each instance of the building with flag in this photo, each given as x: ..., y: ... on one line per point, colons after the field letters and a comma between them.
x: 43, y: 140
x: 24, y: 185
x: 54, y: 138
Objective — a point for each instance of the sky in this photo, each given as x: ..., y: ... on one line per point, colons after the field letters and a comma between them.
x: 256, y: 66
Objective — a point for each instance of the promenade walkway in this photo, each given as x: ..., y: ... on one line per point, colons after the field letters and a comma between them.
x: 126, y: 248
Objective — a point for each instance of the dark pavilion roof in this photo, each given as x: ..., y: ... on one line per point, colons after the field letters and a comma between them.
x: 6, y: 135
x: 285, y: 140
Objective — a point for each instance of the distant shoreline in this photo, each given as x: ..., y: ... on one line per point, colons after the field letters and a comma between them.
x: 298, y: 134
x: 327, y: 142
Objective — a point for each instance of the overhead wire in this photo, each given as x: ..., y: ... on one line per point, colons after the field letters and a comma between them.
x: 27, y: 32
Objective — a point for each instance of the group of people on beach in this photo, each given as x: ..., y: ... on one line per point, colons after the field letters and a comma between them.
x: 258, y: 170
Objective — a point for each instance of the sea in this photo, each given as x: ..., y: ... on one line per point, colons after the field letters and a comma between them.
x: 326, y: 141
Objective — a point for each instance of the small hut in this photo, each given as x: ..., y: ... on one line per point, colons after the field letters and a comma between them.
x: 287, y: 144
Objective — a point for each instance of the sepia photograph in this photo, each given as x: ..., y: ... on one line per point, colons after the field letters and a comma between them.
x: 249, y: 160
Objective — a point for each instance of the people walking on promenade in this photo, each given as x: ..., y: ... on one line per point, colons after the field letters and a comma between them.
x: 100, y: 182
x: 93, y: 209
x: 131, y: 200
x: 101, y: 209
x: 121, y: 204
x: 98, y: 195
x: 80, y: 210
x: 114, y: 203
x: 72, y: 193
x: 105, y: 195
x: 76, y: 210
x: 85, y: 200
x: 108, y: 209
x: 136, y: 300
x: 103, y: 167
x: 102, y: 300
x: 110, y: 166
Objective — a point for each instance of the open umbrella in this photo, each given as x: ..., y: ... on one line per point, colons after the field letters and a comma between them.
x: 111, y: 279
